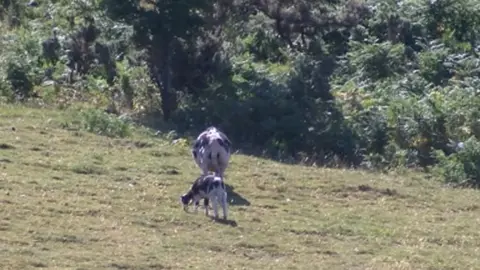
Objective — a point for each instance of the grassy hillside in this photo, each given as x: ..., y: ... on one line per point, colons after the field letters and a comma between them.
x: 72, y: 199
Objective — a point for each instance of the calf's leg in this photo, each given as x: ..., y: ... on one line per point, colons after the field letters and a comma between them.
x: 224, y: 204
x: 215, y: 206
x: 205, y: 204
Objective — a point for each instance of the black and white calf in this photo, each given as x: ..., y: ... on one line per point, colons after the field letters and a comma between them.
x: 210, y: 188
x: 211, y: 151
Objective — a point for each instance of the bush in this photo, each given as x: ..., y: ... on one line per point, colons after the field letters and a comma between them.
x: 6, y: 93
x: 463, y: 167
x: 377, y: 61
x: 19, y: 79
x: 96, y: 121
x: 101, y: 123
x: 19, y: 63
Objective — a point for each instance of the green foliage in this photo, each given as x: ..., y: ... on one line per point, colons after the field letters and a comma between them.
x: 98, y: 122
x: 377, y: 61
x: 6, y: 93
x: 461, y: 19
x: 433, y: 66
x: 372, y: 84
x: 19, y: 63
x: 18, y: 77
x: 462, y: 167
x: 262, y: 41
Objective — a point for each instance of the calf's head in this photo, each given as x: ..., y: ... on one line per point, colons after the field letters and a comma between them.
x: 185, y: 199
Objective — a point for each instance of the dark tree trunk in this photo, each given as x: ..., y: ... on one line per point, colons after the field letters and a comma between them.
x: 160, y: 67
x: 168, y: 98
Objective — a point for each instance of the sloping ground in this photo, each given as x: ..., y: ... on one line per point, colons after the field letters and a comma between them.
x: 71, y: 199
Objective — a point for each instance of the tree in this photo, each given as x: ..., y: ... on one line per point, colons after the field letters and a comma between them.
x: 161, y: 28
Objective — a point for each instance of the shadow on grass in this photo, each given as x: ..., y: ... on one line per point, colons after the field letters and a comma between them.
x: 155, y: 123
x: 232, y: 223
x: 235, y: 198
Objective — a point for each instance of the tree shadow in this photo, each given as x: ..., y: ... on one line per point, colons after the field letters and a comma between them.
x: 235, y: 198
x: 330, y: 155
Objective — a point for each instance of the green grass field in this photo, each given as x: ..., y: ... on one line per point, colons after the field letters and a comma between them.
x: 74, y: 200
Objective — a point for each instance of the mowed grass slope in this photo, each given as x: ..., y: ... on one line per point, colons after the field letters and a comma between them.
x: 72, y: 199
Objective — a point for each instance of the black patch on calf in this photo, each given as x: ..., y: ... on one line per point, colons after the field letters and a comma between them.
x: 194, y: 154
x: 210, y: 156
x: 205, y: 202
x: 203, y: 184
x: 216, y: 184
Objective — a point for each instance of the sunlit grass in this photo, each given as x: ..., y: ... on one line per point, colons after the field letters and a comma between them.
x: 73, y: 199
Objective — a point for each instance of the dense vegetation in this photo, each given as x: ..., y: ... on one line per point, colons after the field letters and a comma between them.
x: 376, y: 84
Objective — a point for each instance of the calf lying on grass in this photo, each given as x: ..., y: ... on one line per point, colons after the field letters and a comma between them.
x: 211, y: 151
x: 209, y: 187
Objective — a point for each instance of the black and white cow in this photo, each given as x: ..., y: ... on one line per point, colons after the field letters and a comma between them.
x: 211, y: 151
x: 210, y: 188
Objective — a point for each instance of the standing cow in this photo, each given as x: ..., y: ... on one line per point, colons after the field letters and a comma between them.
x: 211, y: 151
